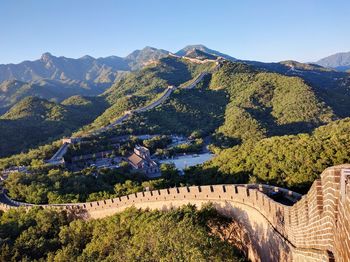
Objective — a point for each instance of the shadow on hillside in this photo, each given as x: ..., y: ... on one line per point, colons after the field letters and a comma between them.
x: 273, y: 129
x: 19, y: 135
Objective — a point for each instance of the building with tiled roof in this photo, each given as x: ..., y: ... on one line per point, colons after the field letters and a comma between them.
x: 141, y: 161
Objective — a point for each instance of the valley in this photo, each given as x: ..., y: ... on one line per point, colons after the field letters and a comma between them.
x: 166, y: 131
x: 245, y: 105
x: 182, y: 130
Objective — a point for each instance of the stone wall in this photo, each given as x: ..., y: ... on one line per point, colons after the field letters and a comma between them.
x: 316, y: 228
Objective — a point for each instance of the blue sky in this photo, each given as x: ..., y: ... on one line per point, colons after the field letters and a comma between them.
x: 271, y: 30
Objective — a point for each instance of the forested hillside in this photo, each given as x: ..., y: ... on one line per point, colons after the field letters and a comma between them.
x: 266, y: 104
x: 40, y: 120
x: 39, y: 235
x: 141, y: 87
x: 331, y: 86
x: 241, y: 104
x: 34, y: 121
x: 11, y: 92
x: 264, y: 126
x: 293, y: 161
x: 266, y: 118
x: 186, y: 111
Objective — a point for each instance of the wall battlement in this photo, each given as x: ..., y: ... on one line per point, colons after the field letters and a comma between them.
x: 315, y: 228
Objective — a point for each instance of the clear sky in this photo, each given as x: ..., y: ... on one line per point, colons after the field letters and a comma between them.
x: 271, y: 30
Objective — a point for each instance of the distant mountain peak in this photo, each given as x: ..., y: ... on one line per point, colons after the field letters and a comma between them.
x: 148, y: 54
x: 87, y: 57
x: 46, y: 57
x: 149, y: 48
x: 338, y: 61
x: 204, y: 49
x: 199, y: 54
x: 100, y: 70
x: 197, y: 46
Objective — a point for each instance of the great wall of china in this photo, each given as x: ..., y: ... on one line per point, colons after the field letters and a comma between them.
x: 315, y: 228
x: 57, y: 158
x: 164, y: 95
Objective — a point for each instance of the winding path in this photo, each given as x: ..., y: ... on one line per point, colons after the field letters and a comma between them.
x: 57, y: 158
x: 160, y: 100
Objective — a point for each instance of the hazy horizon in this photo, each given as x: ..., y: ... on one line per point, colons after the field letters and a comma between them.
x: 268, y: 31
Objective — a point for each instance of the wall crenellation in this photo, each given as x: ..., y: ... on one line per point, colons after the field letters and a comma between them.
x: 315, y: 228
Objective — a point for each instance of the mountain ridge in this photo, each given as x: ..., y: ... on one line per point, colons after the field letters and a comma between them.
x: 338, y: 61
x: 85, y: 68
x: 203, y: 48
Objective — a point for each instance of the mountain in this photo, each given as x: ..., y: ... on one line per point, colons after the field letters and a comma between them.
x: 333, y: 87
x: 61, y: 68
x: 141, y: 58
x: 241, y: 104
x: 12, y: 91
x: 86, y: 68
x: 57, y: 78
x: 246, y: 100
x: 39, y: 120
x: 204, y: 49
x: 238, y: 105
x: 201, y: 55
x: 140, y: 87
x: 267, y: 104
x: 338, y: 61
x: 89, y: 69
x: 244, y: 109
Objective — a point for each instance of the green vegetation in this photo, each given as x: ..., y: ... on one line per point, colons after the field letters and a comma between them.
x: 153, y: 79
x: 25, y: 159
x: 141, y: 87
x: 329, y: 85
x: 157, y: 142
x: 94, y: 146
x: 133, y: 235
x: 267, y: 104
x: 117, y: 109
x: 195, y: 146
x: 265, y: 127
x: 293, y: 161
x: 198, y: 109
x: 44, y: 185
x: 13, y: 91
x: 33, y: 121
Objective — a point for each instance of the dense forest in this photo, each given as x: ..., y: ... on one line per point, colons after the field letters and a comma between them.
x: 267, y: 104
x: 133, y: 235
x: 199, y: 109
x: 40, y: 121
x: 293, y: 161
x: 140, y: 88
x: 263, y: 126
